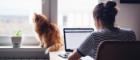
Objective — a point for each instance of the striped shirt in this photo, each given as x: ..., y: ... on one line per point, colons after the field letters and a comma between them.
x: 89, y: 46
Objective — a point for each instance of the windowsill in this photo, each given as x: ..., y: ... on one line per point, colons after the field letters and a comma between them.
x: 21, y: 47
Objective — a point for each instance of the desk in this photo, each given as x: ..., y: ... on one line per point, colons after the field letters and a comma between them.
x: 54, y: 56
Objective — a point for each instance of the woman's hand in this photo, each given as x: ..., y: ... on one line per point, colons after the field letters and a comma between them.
x: 75, y: 56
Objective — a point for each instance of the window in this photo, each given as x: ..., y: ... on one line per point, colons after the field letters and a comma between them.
x: 14, y: 16
x: 76, y: 13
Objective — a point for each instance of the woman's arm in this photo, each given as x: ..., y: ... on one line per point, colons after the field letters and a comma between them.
x: 75, y: 56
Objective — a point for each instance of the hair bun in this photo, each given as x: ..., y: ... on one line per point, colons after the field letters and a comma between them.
x: 111, y: 4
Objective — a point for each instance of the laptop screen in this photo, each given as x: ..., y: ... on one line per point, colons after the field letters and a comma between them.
x: 74, y: 37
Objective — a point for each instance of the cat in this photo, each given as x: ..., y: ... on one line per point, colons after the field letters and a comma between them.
x: 48, y: 33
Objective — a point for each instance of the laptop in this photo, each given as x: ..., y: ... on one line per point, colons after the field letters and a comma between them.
x: 74, y: 37
x: 23, y: 53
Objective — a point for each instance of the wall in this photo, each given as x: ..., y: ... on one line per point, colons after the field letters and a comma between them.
x: 49, y: 8
x: 46, y: 8
x: 128, y: 16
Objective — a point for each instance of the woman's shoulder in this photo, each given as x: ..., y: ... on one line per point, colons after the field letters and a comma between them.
x: 97, y: 34
x: 126, y: 30
x: 119, y: 30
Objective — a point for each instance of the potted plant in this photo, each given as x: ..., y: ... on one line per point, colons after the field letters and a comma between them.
x: 16, y: 39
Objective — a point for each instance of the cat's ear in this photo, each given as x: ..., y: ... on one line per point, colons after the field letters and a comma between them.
x: 36, y: 17
x: 35, y: 14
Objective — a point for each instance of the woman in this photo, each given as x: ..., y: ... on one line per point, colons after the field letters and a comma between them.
x: 104, y: 16
x: 48, y: 33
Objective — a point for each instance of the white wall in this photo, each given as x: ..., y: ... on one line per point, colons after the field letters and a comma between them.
x: 128, y: 16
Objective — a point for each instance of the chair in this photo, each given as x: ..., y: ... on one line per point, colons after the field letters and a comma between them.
x: 118, y: 50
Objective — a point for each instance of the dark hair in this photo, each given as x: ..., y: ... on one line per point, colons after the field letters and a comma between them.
x: 106, y: 12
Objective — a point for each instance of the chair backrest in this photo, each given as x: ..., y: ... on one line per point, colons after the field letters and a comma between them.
x: 119, y: 50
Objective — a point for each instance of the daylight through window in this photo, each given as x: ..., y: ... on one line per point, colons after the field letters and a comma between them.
x: 14, y: 16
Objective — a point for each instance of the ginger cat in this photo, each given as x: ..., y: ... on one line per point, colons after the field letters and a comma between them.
x: 48, y: 33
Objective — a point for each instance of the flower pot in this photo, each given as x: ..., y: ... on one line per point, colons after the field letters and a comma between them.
x: 16, y: 41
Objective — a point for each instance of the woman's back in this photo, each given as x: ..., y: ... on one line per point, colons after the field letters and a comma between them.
x: 92, y: 42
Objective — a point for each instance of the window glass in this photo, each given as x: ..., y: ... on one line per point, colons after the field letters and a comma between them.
x: 76, y: 13
x: 15, y: 16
